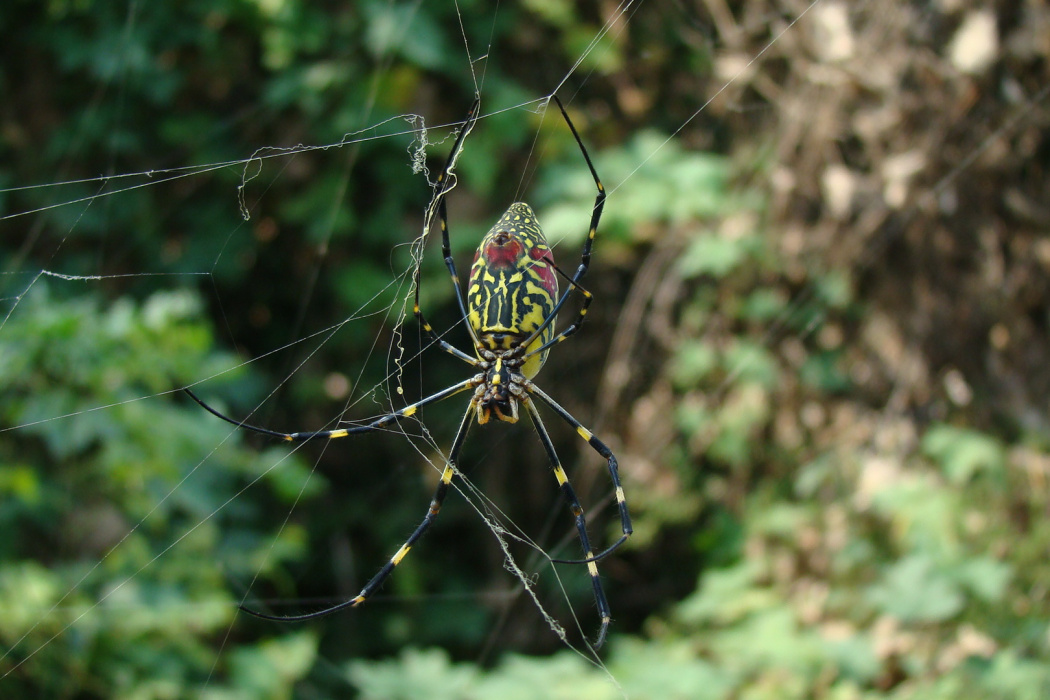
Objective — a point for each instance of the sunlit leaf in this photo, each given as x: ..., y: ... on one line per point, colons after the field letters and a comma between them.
x: 962, y: 452
x: 913, y: 590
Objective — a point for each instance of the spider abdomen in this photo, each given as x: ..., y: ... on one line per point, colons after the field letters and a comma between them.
x: 513, y: 288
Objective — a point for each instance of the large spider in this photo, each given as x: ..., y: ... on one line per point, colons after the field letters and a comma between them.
x: 510, y: 312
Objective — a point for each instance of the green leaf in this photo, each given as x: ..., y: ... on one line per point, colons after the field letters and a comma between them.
x: 415, y: 674
x: 985, y: 577
x: 725, y: 596
x: 269, y: 667
x: 661, y: 670
x: 693, y: 362
x: 1013, y: 676
x: 763, y: 305
x: 962, y: 452
x: 823, y: 371
x: 747, y: 361
x: 711, y: 254
x: 912, y: 590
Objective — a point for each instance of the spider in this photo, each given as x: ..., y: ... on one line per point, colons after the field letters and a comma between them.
x: 510, y: 313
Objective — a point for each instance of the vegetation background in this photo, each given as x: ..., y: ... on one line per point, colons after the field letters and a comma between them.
x: 818, y: 348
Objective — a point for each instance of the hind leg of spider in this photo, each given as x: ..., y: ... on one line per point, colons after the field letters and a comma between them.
x: 614, y: 474
x: 581, y: 521
x: 384, y: 573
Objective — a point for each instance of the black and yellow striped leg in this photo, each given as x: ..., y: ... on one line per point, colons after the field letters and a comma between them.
x: 599, y: 200
x: 572, y: 328
x: 592, y: 231
x: 443, y: 185
x: 614, y: 474
x: 585, y: 256
x: 377, y: 424
x: 384, y: 573
x: 578, y: 516
x: 446, y: 248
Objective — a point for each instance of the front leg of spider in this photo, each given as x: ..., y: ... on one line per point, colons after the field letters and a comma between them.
x: 510, y: 309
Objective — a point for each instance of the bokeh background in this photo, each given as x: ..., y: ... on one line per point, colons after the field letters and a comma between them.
x: 818, y: 348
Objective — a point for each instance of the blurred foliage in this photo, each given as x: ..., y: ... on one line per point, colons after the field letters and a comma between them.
x: 108, y: 515
x: 820, y: 303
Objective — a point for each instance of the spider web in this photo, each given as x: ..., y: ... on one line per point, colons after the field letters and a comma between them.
x: 32, y: 269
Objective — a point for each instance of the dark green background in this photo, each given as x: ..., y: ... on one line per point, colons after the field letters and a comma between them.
x: 818, y: 347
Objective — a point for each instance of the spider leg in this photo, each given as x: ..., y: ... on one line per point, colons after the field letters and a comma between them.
x: 614, y: 474
x: 384, y: 573
x: 377, y: 424
x: 574, y: 283
x: 581, y: 520
x: 585, y: 256
x: 574, y: 326
x: 444, y: 184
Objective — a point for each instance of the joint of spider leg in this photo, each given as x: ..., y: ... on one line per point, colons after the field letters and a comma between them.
x: 480, y: 403
x: 592, y: 566
x: 517, y: 385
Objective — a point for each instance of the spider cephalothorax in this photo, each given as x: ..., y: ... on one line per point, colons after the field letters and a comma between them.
x: 511, y: 307
x: 501, y: 385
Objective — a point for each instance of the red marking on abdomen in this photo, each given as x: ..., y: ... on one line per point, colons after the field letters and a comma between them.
x: 505, y: 254
x: 546, y: 272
